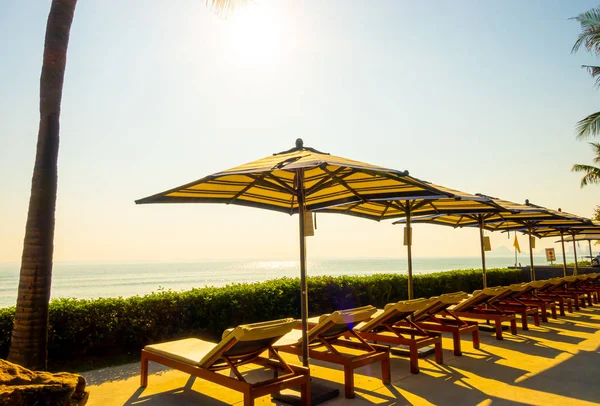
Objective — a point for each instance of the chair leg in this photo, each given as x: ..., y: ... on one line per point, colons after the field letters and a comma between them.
x: 414, y: 359
x: 456, y: 339
x: 144, y: 372
x: 513, y: 326
x: 248, y: 401
x: 498, y: 330
x: 536, y: 318
x: 524, y: 323
x: 439, y: 352
x: 544, y: 312
x: 386, y: 371
x: 348, y: 382
x: 476, y: 338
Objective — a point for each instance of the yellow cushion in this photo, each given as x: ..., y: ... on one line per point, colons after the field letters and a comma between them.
x: 189, y: 350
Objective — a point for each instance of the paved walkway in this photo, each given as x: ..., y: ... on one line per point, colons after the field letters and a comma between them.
x: 557, y: 363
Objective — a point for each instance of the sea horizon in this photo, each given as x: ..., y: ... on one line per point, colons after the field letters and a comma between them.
x: 102, y: 279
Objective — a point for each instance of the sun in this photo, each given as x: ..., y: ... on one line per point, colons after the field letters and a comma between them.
x: 255, y: 35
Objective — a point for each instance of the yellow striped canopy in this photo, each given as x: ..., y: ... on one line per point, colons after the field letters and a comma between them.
x: 273, y: 183
x: 512, y: 216
x: 385, y: 208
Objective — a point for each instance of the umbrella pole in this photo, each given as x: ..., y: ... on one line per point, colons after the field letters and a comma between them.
x: 590, y: 245
x: 482, y: 252
x: 303, y: 284
x: 562, y: 242
x: 575, y: 269
x: 531, y: 255
x: 409, y: 249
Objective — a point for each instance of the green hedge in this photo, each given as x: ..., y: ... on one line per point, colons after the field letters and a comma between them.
x: 117, y: 326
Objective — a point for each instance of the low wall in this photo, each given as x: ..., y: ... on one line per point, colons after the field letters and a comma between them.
x: 546, y: 272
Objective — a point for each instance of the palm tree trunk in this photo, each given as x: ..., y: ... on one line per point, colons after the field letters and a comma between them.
x: 28, y: 345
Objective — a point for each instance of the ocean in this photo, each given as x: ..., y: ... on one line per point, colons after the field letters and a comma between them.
x: 94, y: 280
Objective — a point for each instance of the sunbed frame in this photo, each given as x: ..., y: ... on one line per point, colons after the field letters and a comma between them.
x: 293, y: 375
x: 331, y: 334
x: 436, y: 317
x: 477, y: 307
x: 395, y: 320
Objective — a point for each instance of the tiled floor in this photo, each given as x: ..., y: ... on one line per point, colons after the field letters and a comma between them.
x: 557, y: 363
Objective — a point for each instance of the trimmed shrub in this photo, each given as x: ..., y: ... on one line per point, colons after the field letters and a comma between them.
x: 80, y: 328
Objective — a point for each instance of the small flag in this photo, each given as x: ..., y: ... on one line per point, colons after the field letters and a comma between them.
x: 516, y: 244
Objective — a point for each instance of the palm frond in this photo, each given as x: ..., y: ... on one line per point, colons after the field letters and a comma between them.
x: 589, y: 126
x: 224, y: 8
x: 590, y: 31
x: 596, y: 148
x: 592, y: 174
x: 594, y: 72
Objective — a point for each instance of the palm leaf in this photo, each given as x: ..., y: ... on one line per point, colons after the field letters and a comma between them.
x: 224, y: 7
x: 589, y: 126
x: 594, y: 72
x: 592, y: 174
x: 596, y: 148
x: 590, y: 31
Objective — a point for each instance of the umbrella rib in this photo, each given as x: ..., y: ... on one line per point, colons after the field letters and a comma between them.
x: 343, y: 183
x: 250, y: 185
x: 283, y: 185
x: 387, y: 206
x: 323, y: 183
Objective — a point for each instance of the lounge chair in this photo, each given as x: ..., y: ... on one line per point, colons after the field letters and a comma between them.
x: 478, y: 307
x: 547, y: 292
x: 436, y: 317
x: 326, y: 339
x: 241, y: 345
x: 589, y: 283
x: 390, y: 326
x: 564, y: 288
x: 508, y: 301
x: 529, y: 296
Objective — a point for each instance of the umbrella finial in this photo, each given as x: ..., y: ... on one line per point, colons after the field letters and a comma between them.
x: 299, y: 143
x: 526, y: 201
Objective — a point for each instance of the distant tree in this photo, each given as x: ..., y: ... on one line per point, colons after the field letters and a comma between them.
x: 591, y: 173
x: 28, y: 345
x: 590, y: 39
x: 596, y: 216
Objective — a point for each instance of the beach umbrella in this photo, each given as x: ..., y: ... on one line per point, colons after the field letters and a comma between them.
x: 299, y: 180
x: 387, y: 208
x: 585, y: 237
x: 512, y: 216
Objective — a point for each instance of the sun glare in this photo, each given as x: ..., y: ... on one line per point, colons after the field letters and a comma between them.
x: 255, y: 35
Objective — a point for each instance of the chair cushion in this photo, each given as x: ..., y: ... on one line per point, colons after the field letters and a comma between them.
x: 189, y: 351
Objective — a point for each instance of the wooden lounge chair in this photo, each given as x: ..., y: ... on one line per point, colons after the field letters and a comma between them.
x: 436, y: 317
x: 327, y: 343
x: 589, y: 283
x: 478, y: 307
x: 547, y: 292
x: 560, y: 287
x: 241, y: 345
x: 530, y: 296
x: 390, y: 326
x: 508, y: 301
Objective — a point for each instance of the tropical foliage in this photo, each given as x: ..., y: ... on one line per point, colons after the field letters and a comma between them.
x: 589, y: 37
x: 591, y: 174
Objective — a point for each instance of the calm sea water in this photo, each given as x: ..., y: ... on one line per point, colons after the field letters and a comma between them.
x: 94, y: 280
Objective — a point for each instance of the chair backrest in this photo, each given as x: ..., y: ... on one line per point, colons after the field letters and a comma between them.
x: 246, y: 341
x: 540, y: 285
x: 331, y: 326
x: 516, y: 290
x: 478, y: 298
x: 556, y: 283
x: 393, y: 313
x: 438, y: 304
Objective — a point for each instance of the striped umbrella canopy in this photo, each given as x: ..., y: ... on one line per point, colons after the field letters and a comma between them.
x: 296, y: 181
x: 513, y: 216
x: 387, y: 208
x: 577, y: 232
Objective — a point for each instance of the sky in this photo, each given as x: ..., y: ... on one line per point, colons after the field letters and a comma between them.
x: 478, y: 96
